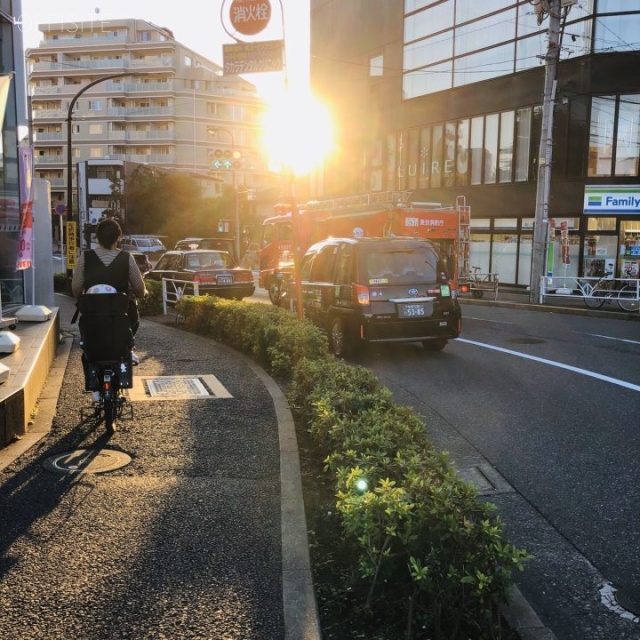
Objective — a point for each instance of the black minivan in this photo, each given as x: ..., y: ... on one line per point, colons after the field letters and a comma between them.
x: 379, y: 290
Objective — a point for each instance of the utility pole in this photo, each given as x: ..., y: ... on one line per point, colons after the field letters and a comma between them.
x: 541, y: 225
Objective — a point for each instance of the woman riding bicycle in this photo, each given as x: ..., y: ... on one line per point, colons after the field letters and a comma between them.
x: 109, y: 265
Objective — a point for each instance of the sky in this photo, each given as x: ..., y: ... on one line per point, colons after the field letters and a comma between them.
x: 195, y: 24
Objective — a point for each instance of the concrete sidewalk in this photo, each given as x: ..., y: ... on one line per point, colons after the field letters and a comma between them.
x: 187, y: 523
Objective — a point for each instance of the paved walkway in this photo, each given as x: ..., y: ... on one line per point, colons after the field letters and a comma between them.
x: 197, y: 532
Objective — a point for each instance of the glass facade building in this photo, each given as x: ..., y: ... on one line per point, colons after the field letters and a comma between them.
x: 455, y: 108
x: 13, y: 130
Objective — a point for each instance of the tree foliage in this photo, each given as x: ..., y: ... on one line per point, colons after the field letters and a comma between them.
x: 172, y: 204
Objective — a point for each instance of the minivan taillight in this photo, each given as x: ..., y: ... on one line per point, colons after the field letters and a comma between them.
x: 361, y: 294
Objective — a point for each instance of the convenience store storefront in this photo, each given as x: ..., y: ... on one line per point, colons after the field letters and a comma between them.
x: 612, y: 231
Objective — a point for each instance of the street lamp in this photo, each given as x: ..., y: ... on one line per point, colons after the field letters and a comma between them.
x: 70, y: 215
x: 236, y: 201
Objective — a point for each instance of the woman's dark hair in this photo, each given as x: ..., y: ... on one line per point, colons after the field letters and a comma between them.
x: 108, y: 233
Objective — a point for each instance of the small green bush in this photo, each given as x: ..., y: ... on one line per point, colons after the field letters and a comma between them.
x: 152, y: 304
x: 272, y: 336
x: 60, y: 282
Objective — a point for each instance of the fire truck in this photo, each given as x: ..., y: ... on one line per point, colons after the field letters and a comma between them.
x: 385, y: 213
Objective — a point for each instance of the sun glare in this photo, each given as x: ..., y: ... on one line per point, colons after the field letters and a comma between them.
x: 297, y: 133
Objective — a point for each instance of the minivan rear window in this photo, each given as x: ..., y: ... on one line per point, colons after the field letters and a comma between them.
x: 400, y: 266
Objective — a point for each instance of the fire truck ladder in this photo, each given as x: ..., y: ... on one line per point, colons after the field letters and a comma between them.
x: 393, y: 198
x: 464, y: 222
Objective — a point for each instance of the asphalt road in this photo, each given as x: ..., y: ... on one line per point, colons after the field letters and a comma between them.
x: 541, y: 410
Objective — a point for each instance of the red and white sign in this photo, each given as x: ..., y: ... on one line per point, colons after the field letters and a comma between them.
x: 250, y: 16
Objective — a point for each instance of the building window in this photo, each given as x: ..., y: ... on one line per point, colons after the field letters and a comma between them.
x: 505, y: 153
x: 523, y: 144
x: 188, y: 61
x: 95, y: 152
x: 628, y: 136
x: 467, y: 42
x: 477, y: 149
x: 95, y: 105
x: 376, y: 66
x: 95, y: 129
x: 490, y: 150
x: 614, y: 138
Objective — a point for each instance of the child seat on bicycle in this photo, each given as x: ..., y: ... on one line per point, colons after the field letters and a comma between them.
x: 106, y: 335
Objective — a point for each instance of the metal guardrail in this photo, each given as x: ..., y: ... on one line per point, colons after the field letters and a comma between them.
x: 594, y: 291
x: 172, y: 292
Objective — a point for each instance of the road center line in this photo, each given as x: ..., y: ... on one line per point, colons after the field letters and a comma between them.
x: 584, y: 372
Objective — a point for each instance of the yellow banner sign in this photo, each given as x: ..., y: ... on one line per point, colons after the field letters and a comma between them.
x: 72, y: 241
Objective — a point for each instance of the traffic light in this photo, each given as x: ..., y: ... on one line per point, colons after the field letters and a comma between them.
x: 225, y: 159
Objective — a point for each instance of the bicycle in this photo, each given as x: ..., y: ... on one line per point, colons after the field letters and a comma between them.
x: 629, y: 296
x: 107, y: 342
x: 608, y: 289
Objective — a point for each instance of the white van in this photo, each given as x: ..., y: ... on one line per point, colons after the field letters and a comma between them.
x: 144, y: 244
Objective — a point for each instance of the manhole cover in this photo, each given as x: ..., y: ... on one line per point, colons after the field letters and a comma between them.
x: 526, y: 340
x: 177, y: 388
x: 629, y: 599
x: 87, y: 461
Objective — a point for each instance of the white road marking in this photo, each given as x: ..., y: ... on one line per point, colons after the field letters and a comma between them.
x: 584, y: 372
x: 486, y: 320
x: 597, y: 335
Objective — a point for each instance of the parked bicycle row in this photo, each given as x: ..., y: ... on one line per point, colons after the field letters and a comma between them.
x: 596, y: 292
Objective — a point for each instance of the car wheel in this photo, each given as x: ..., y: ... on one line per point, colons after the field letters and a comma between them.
x: 274, y: 291
x: 435, y: 345
x: 339, y: 338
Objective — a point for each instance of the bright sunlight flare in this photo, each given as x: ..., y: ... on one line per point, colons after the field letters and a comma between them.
x: 298, y: 133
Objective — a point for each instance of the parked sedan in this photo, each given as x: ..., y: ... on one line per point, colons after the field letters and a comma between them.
x: 215, y: 272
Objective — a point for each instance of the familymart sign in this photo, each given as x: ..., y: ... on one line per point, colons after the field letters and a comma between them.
x: 612, y: 199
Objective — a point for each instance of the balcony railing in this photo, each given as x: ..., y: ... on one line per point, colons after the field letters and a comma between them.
x: 54, y: 159
x: 49, y: 136
x: 140, y: 111
x: 149, y: 158
x: 58, y: 114
x: 77, y: 39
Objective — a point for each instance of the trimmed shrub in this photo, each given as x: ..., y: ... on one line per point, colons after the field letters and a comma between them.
x: 152, y: 304
x: 272, y: 336
x: 416, y: 542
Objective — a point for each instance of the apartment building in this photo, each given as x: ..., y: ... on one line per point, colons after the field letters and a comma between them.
x: 444, y: 98
x: 153, y: 101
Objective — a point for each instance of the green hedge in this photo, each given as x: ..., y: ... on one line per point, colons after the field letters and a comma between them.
x: 421, y: 544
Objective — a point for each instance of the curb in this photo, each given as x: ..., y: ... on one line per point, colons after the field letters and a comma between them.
x: 573, y: 311
x: 45, y: 406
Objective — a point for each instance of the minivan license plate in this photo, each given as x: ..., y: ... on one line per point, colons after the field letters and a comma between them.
x: 411, y: 310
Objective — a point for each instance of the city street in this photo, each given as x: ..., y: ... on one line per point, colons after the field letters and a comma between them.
x: 541, y: 411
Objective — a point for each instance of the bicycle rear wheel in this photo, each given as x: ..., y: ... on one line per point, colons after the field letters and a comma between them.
x: 628, y: 299
x: 596, y: 299
x: 110, y: 408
